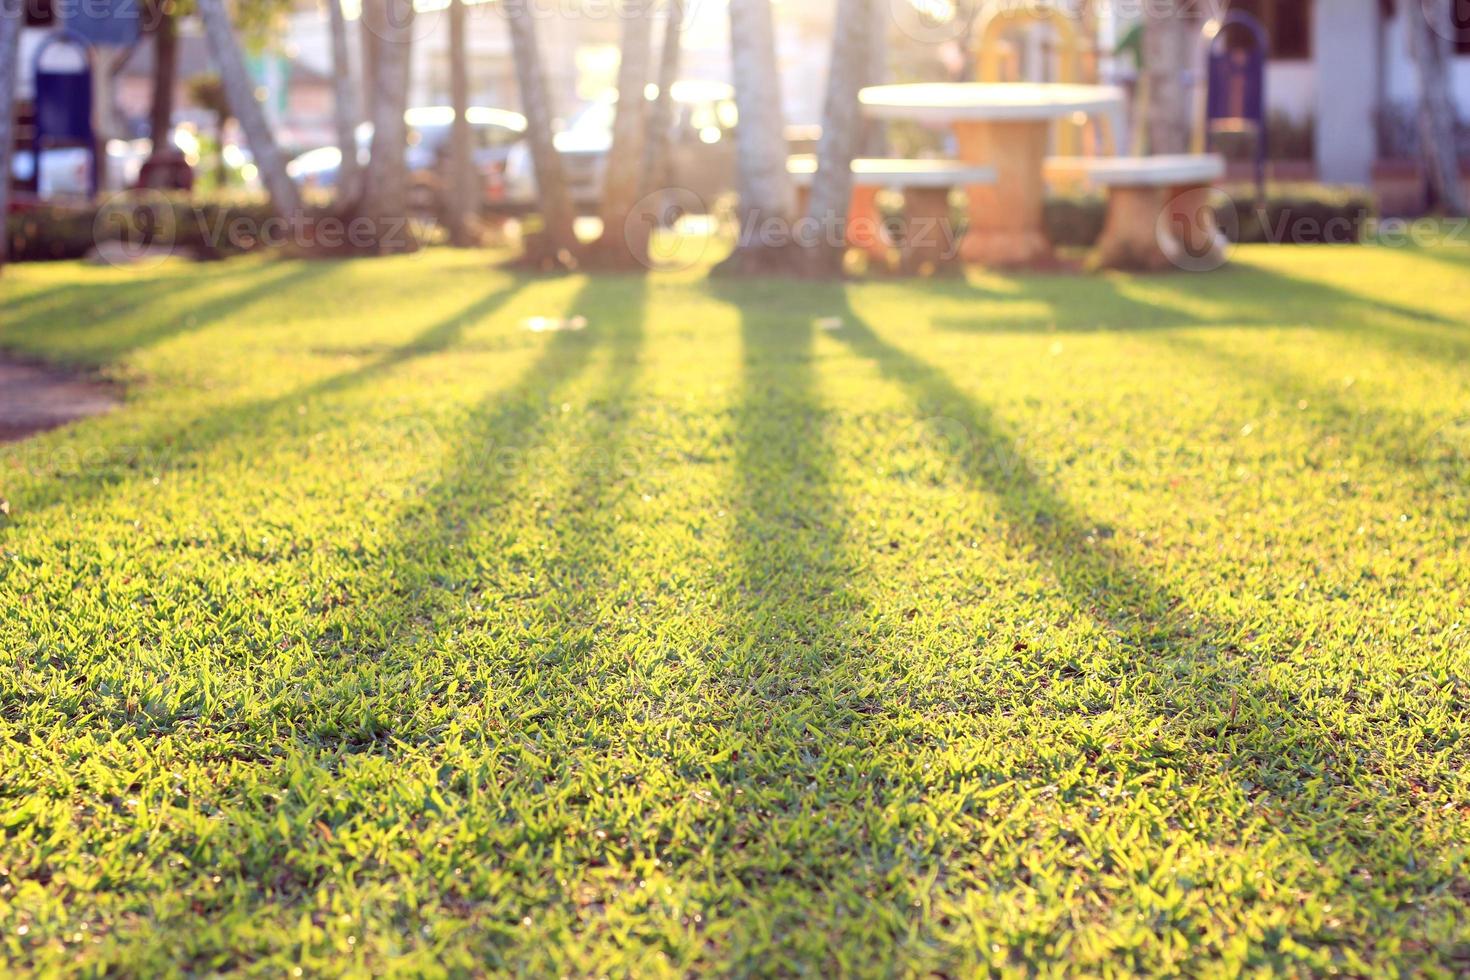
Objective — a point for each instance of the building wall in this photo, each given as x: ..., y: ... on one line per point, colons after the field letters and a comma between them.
x: 1361, y: 65
x: 1402, y: 81
x: 1291, y: 88
x: 1345, y: 45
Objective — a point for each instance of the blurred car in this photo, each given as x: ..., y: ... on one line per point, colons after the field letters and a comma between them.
x: 493, y: 134
x: 701, y: 147
x: 65, y: 172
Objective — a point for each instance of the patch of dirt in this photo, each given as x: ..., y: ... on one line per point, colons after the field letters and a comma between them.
x: 35, y: 398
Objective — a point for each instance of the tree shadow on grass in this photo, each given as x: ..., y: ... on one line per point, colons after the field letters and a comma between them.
x: 1261, y: 295
x: 1239, y: 295
x: 386, y: 676
x: 808, y: 719
x: 1210, y: 677
x: 170, y: 446
x: 96, y: 323
x: 399, y: 673
x: 428, y: 575
x: 1396, y: 438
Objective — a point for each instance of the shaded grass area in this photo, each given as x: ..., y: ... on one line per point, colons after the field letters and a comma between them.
x: 1016, y: 623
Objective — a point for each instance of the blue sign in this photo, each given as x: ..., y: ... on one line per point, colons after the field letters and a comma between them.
x: 63, y: 101
x: 1237, y: 83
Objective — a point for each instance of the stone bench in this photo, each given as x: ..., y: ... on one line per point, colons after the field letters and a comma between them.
x: 928, y: 237
x: 1158, y: 209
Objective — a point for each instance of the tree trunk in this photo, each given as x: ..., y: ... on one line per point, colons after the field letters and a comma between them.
x: 369, y: 45
x: 657, y: 149
x: 240, y: 93
x: 1171, y: 35
x: 11, y: 17
x: 385, y: 196
x: 767, y: 197
x: 345, y: 114
x: 556, y: 243
x: 222, y: 166
x: 842, y: 132
x: 1433, y: 51
x: 624, y: 241
x: 875, y: 131
x: 460, y: 200
x: 165, y: 69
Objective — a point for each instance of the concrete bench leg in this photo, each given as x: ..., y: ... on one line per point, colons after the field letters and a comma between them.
x: 1146, y: 224
x: 1007, y: 218
x: 803, y: 201
x: 865, y: 225
x: 1192, y: 224
x: 929, y: 233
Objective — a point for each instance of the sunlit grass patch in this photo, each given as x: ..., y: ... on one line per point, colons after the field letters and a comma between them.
x: 1019, y: 622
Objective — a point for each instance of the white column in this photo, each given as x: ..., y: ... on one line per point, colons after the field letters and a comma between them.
x: 1345, y: 44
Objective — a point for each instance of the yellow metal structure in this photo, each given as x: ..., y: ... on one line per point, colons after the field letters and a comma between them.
x: 996, y: 61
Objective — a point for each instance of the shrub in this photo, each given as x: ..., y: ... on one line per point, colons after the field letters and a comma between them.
x: 51, y: 232
x: 1294, y: 214
x: 1303, y: 214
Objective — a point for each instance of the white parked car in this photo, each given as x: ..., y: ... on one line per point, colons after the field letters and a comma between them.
x: 493, y: 133
x: 702, y: 147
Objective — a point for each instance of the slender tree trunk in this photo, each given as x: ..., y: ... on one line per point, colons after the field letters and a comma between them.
x: 1430, y: 45
x: 767, y: 197
x: 657, y: 149
x: 385, y: 197
x: 222, y: 166
x: 875, y: 131
x: 12, y: 16
x: 349, y: 174
x: 165, y: 70
x: 240, y: 93
x: 624, y: 241
x: 842, y: 132
x: 556, y: 244
x: 1171, y: 34
x: 461, y: 201
x: 369, y: 46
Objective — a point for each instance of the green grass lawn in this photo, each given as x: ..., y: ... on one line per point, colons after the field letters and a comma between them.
x: 1018, y: 623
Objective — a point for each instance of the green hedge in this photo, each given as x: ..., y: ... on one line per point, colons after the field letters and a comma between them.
x: 1295, y: 214
x: 204, y: 229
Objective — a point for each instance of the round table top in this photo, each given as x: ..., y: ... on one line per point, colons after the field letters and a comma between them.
x: 950, y: 102
x: 1180, y: 168
x: 880, y: 172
